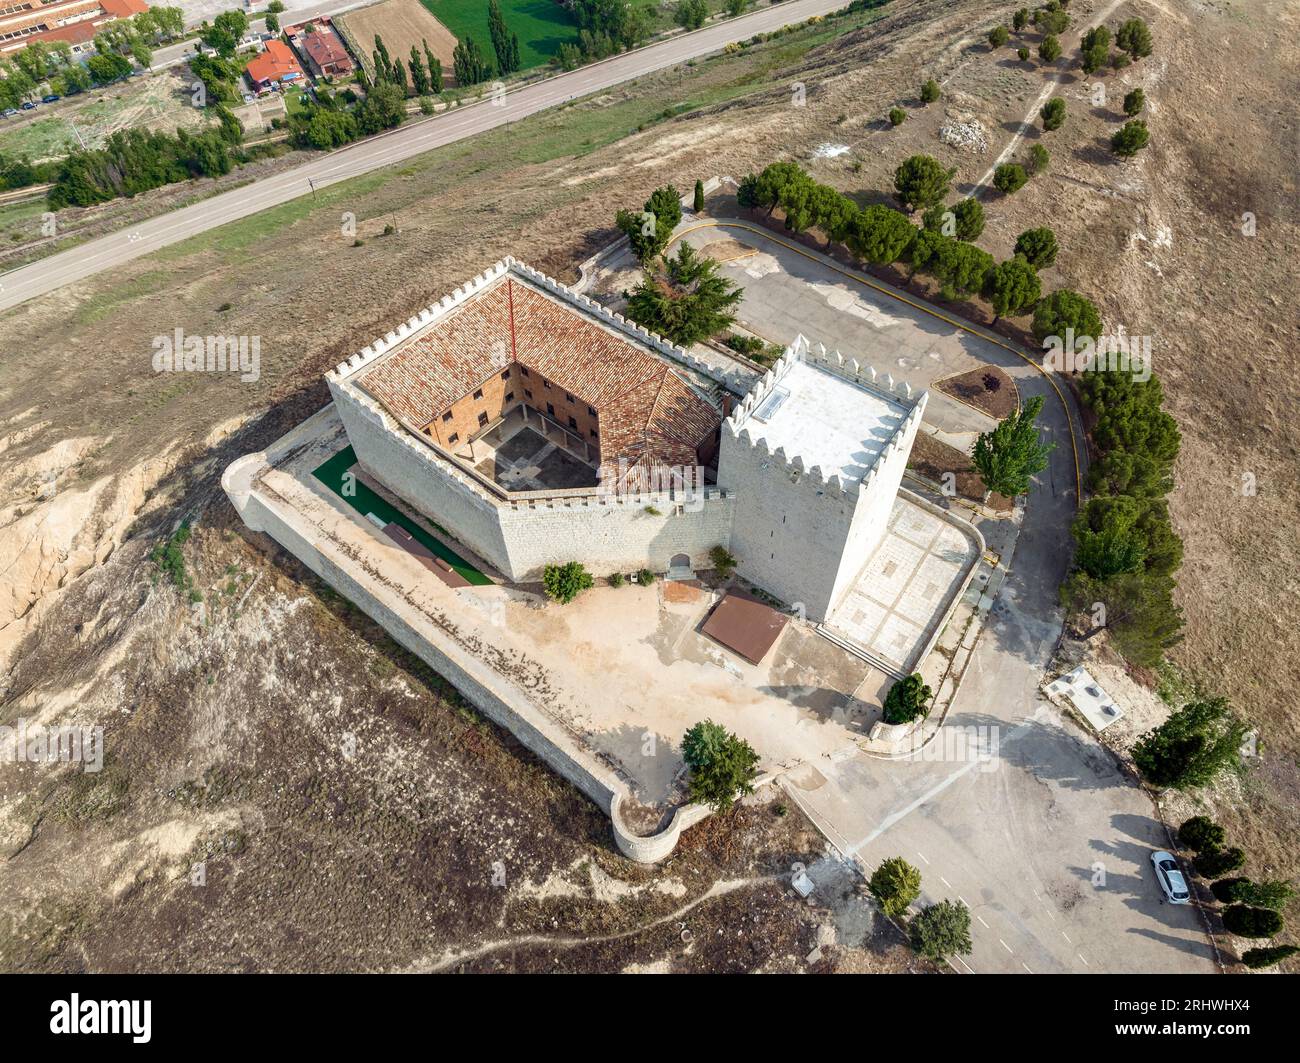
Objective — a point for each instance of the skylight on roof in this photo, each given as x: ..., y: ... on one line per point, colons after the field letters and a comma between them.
x: 768, y: 407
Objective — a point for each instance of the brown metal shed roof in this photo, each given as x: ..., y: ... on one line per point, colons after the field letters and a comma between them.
x: 745, y: 626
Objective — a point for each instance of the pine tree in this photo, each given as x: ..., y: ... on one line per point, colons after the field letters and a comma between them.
x: 1009, y: 455
x: 895, y: 884
x: 1193, y: 746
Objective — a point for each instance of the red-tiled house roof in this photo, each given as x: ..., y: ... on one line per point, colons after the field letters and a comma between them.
x: 325, y: 51
x: 648, y: 414
x: 277, y: 63
x: 124, y: 8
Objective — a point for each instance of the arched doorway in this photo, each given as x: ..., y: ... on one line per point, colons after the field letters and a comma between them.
x: 681, y: 561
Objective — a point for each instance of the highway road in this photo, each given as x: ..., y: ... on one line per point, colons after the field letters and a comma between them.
x: 387, y: 149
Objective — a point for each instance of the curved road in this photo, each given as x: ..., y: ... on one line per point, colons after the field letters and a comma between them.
x: 1047, y: 842
x: 390, y: 148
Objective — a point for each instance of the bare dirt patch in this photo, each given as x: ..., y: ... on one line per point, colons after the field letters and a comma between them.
x: 403, y: 24
x: 990, y: 390
x: 940, y: 463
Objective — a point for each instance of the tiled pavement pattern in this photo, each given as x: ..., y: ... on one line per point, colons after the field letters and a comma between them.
x: 904, y: 590
x: 527, y: 462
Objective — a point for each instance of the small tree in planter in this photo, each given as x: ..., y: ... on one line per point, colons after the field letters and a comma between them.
x: 907, y: 699
x: 565, y: 582
x: 723, y: 766
x: 1009, y: 455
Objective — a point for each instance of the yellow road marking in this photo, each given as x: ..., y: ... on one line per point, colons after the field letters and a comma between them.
x: 955, y: 322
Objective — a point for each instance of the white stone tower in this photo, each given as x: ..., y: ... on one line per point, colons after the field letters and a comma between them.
x: 815, y: 454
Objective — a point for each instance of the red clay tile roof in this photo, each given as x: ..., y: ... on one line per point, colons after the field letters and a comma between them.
x: 324, y: 47
x: 124, y: 8
x: 648, y: 413
x: 273, y: 64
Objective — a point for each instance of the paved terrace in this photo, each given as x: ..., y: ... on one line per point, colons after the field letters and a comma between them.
x: 615, y: 678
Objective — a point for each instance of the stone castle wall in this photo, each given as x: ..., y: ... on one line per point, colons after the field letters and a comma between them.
x: 606, y: 533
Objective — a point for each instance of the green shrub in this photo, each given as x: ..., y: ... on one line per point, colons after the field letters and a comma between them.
x: 1230, y: 890
x: 1022, y: 54
x: 1134, y: 102
x: 1049, y: 50
x: 1037, y: 246
x: 723, y: 766
x: 1131, y: 138
x: 1201, y: 834
x: 565, y: 582
x: 897, y: 116
x: 723, y: 561
x: 1215, y: 863
x: 1191, y: 748
x: 998, y: 36
x: 1053, y: 113
x: 1274, y: 894
x: 907, y: 699
x: 1134, y: 37
x: 645, y: 576
x: 930, y: 91
x: 1267, y: 957
x: 1009, y: 177
x: 895, y: 884
x: 941, y: 930
x: 1247, y: 922
x: 616, y: 579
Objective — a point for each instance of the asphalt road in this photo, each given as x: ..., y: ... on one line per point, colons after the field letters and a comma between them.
x: 1047, y: 842
x: 387, y: 149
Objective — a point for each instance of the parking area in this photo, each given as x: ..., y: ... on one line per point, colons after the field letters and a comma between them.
x: 787, y: 293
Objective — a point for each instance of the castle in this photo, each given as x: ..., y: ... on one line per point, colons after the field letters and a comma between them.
x: 538, y: 427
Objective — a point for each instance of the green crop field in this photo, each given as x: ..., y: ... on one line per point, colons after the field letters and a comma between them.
x: 541, y: 25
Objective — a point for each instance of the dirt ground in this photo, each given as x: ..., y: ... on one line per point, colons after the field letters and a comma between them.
x: 98, y: 449
x: 989, y: 390
x: 401, y: 24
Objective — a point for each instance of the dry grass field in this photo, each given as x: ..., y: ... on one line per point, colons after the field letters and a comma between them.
x: 402, y: 24
x: 102, y: 456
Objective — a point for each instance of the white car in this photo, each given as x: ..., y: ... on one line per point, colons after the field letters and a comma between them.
x: 1170, y: 878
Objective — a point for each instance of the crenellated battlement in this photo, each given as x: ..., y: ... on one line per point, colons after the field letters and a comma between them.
x: 865, y: 376
x: 735, y: 382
